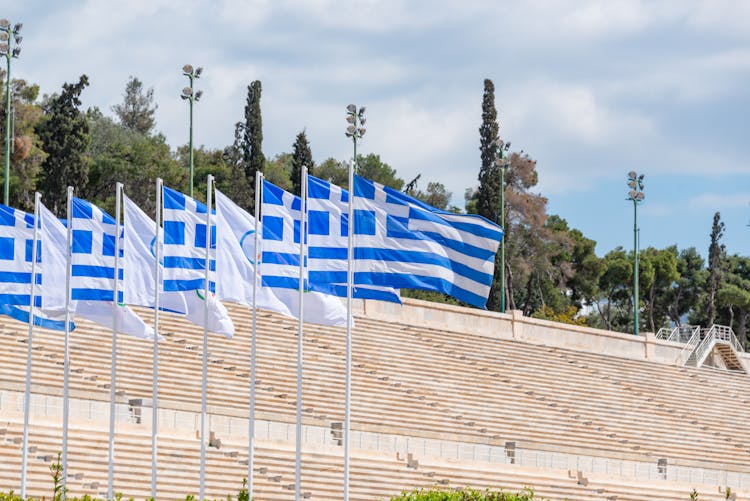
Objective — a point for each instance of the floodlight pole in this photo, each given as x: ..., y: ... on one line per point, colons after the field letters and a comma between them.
x: 635, y: 183
x: 354, y: 130
x: 191, y: 96
x: 503, y: 164
x: 12, y: 33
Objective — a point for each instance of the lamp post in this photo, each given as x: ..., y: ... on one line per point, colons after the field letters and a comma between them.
x: 8, y: 36
x: 635, y: 183
x: 503, y: 162
x: 191, y: 97
x: 355, y: 130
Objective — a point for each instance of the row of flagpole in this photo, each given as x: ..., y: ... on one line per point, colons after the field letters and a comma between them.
x: 155, y: 373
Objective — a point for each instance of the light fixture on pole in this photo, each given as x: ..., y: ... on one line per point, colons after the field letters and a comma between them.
x: 355, y: 120
x: 191, y: 96
x: 8, y: 36
x: 635, y: 195
x: 503, y: 162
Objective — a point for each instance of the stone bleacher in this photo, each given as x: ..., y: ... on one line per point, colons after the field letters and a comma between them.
x: 447, y: 396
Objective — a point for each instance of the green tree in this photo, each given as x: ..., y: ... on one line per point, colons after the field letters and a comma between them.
x: 27, y: 155
x: 371, y: 167
x: 334, y: 172
x: 733, y: 298
x: 683, y: 296
x: 716, y: 253
x: 615, y: 289
x: 120, y: 154
x: 137, y: 109
x: 253, y: 158
x: 435, y: 195
x: 64, y: 134
x: 301, y: 157
x: 278, y: 171
x: 665, y: 273
x: 229, y: 178
x: 489, y: 192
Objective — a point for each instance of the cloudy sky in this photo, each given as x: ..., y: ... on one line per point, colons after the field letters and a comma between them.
x: 589, y: 89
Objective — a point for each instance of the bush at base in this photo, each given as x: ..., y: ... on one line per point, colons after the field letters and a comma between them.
x: 464, y: 495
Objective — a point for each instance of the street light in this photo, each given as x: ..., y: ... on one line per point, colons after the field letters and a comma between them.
x: 189, y: 95
x: 503, y: 162
x: 8, y: 36
x: 635, y: 194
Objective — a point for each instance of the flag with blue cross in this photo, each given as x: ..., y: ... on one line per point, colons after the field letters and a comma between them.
x: 185, y: 239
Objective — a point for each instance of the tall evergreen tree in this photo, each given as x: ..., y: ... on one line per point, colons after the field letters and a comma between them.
x: 64, y: 133
x: 253, y: 158
x: 301, y: 157
x: 137, y: 109
x: 716, y: 252
x: 488, y: 195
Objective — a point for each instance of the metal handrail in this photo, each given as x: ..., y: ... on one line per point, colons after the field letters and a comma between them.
x: 702, y: 350
x: 664, y: 333
x: 689, y: 346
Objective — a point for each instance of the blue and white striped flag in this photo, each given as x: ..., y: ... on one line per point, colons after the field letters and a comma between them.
x: 16, y: 241
x: 185, y: 243
x: 328, y: 231
x: 93, y: 254
x: 404, y: 243
x: 16, y: 249
x: 326, y: 238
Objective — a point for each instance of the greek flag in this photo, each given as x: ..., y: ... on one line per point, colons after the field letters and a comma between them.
x: 401, y: 242
x: 16, y: 243
x: 185, y: 243
x: 93, y: 254
x: 327, y: 239
x: 16, y: 249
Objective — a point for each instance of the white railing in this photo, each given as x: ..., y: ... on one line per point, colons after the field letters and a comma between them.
x: 720, y: 333
x: 701, y: 352
x: 679, y: 334
x: 689, y: 348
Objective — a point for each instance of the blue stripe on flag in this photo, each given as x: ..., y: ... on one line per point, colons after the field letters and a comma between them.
x: 409, y: 281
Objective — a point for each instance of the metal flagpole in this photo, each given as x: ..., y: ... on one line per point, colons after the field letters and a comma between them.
x: 66, y: 370
x: 253, y: 350
x: 298, y: 431
x: 27, y: 392
x: 157, y: 290
x: 349, y: 293
x: 204, y: 379
x: 115, y: 328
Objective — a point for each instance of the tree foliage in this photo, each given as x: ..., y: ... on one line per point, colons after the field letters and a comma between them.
x: 136, y: 112
x: 64, y: 135
x: 301, y: 157
x: 253, y: 158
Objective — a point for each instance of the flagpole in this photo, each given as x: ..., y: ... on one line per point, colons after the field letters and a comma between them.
x: 253, y: 350
x: 115, y: 327
x: 298, y: 431
x: 155, y: 389
x: 27, y: 392
x: 204, y: 379
x: 66, y: 362
x: 349, y: 293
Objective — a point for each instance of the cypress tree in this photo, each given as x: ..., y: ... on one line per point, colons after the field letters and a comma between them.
x: 716, y: 252
x: 64, y: 133
x: 253, y: 158
x: 301, y: 157
x: 488, y: 194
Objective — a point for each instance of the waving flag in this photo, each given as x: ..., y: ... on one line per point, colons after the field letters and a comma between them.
x: 185, y: 243
x: 93, y: 253
x: 404, y: 243
x: 328, y: 230
x: 327, y: 242
x: 140, y: 280
x: 236, y: 271
x: 16, y: 241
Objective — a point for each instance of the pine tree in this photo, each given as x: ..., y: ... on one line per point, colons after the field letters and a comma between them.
x: 301, y: 157
x: 253, y: 158
x: 488, y: 194
x: 137, y: 109
x: 716, y: 253
x: 64, y: 133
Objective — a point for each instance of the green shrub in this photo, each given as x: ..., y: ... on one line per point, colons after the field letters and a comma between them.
x: 464, y: 495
